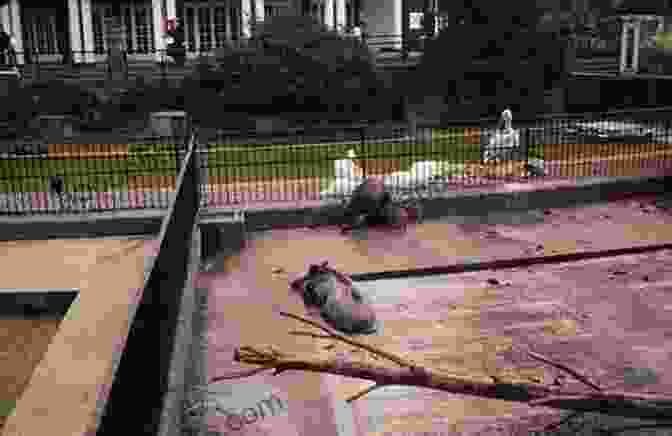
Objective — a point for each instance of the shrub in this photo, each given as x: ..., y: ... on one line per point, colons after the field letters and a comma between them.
x: 492, y: 67
x: 15, y: 117
x: 57, y: 97
x: 293, y: 64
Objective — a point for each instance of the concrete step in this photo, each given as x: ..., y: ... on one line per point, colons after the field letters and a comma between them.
x: 598, y: 64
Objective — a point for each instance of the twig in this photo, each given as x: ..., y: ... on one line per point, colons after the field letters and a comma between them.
x: 242, y: 374
x: 550, y: 398
x: 573, y: 373
x: 311, y: 334
x: 554, y: 425
x: 364, y: 392
x: 398, y: 360
x: 625, y: 404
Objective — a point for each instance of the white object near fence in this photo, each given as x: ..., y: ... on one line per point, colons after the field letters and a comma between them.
x: 346, y: 168
x: 503, y: 141
x: 348, y: 176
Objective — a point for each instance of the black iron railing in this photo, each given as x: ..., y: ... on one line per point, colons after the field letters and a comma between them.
x: 278, y: 165
x: 150, y: 344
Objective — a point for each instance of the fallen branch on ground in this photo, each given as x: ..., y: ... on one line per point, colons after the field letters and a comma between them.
x: 616, y: 403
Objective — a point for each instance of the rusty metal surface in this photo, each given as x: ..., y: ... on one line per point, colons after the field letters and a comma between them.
x: 602, y: 315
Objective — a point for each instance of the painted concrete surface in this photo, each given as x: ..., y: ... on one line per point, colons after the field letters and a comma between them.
x: 611, y: 326
x: 68, y: 387
x: 588, y: 315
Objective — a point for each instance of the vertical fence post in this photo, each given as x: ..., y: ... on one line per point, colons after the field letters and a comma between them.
x: 362, y: 139
x: 177, y: 159
x: 196, y: 173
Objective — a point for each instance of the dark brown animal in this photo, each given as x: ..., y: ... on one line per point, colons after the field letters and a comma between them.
x: 341, y: 304
x: 372, y: 205
x: 367, y: 199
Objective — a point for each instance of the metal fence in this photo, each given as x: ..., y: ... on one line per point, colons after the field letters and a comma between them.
x: 432, y: 158
x: 321, y: 163
x: 52, y: 178
x: 147, y: 354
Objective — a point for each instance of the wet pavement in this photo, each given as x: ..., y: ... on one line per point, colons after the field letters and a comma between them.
x: 605, y: 317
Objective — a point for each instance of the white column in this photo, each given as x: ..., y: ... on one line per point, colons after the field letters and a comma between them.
x: 5, y: 20
x: 635, y: 48
x: 341, y: 20
x: 171, y: 10
x: 10, y: 18
x: 87, y: 25
x: 624, y: 46
x: 157, y: 20
x: 259, y: 10
x: 384, y: 17
x: 329, y: 14
x: 4, y: 17
x: 75, y: 35
x: 246, y: 18
x: 227, y: 19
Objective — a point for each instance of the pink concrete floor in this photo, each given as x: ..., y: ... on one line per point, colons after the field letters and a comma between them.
x: 599, y: 316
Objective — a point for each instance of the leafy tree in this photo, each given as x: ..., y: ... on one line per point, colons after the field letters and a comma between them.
x: 292, y: 64
x: 495, y: 58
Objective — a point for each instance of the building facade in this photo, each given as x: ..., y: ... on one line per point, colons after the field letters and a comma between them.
x: 77, y: 30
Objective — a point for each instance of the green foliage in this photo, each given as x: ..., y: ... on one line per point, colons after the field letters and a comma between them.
x: 514, y: 14
x: 663, y: 40
x: 152, y: 159
x: 293, y: 64
x: 6, y: 405
x: 59, y: 97
x: 19, y: 112
x: 31, y: 175
x: 494, y: 67
x: 145, y: 97
x: 305, y: 161
x: 656, y: 60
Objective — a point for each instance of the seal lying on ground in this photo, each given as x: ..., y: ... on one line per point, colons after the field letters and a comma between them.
x: 340, y: 303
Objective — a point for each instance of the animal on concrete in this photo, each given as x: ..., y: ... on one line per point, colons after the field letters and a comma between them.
x: 340, y: 302
x: 372, y: 205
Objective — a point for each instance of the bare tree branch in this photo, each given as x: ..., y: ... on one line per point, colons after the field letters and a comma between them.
x: 363, y: 392
x: 396, y: 359
x: 645, y: 406
x: 565, y: 368
x: 615, y: 403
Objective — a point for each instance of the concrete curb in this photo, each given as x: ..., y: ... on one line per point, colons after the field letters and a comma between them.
x: 118, y: 223
x: 172, y: 415
x: 483, y: 203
